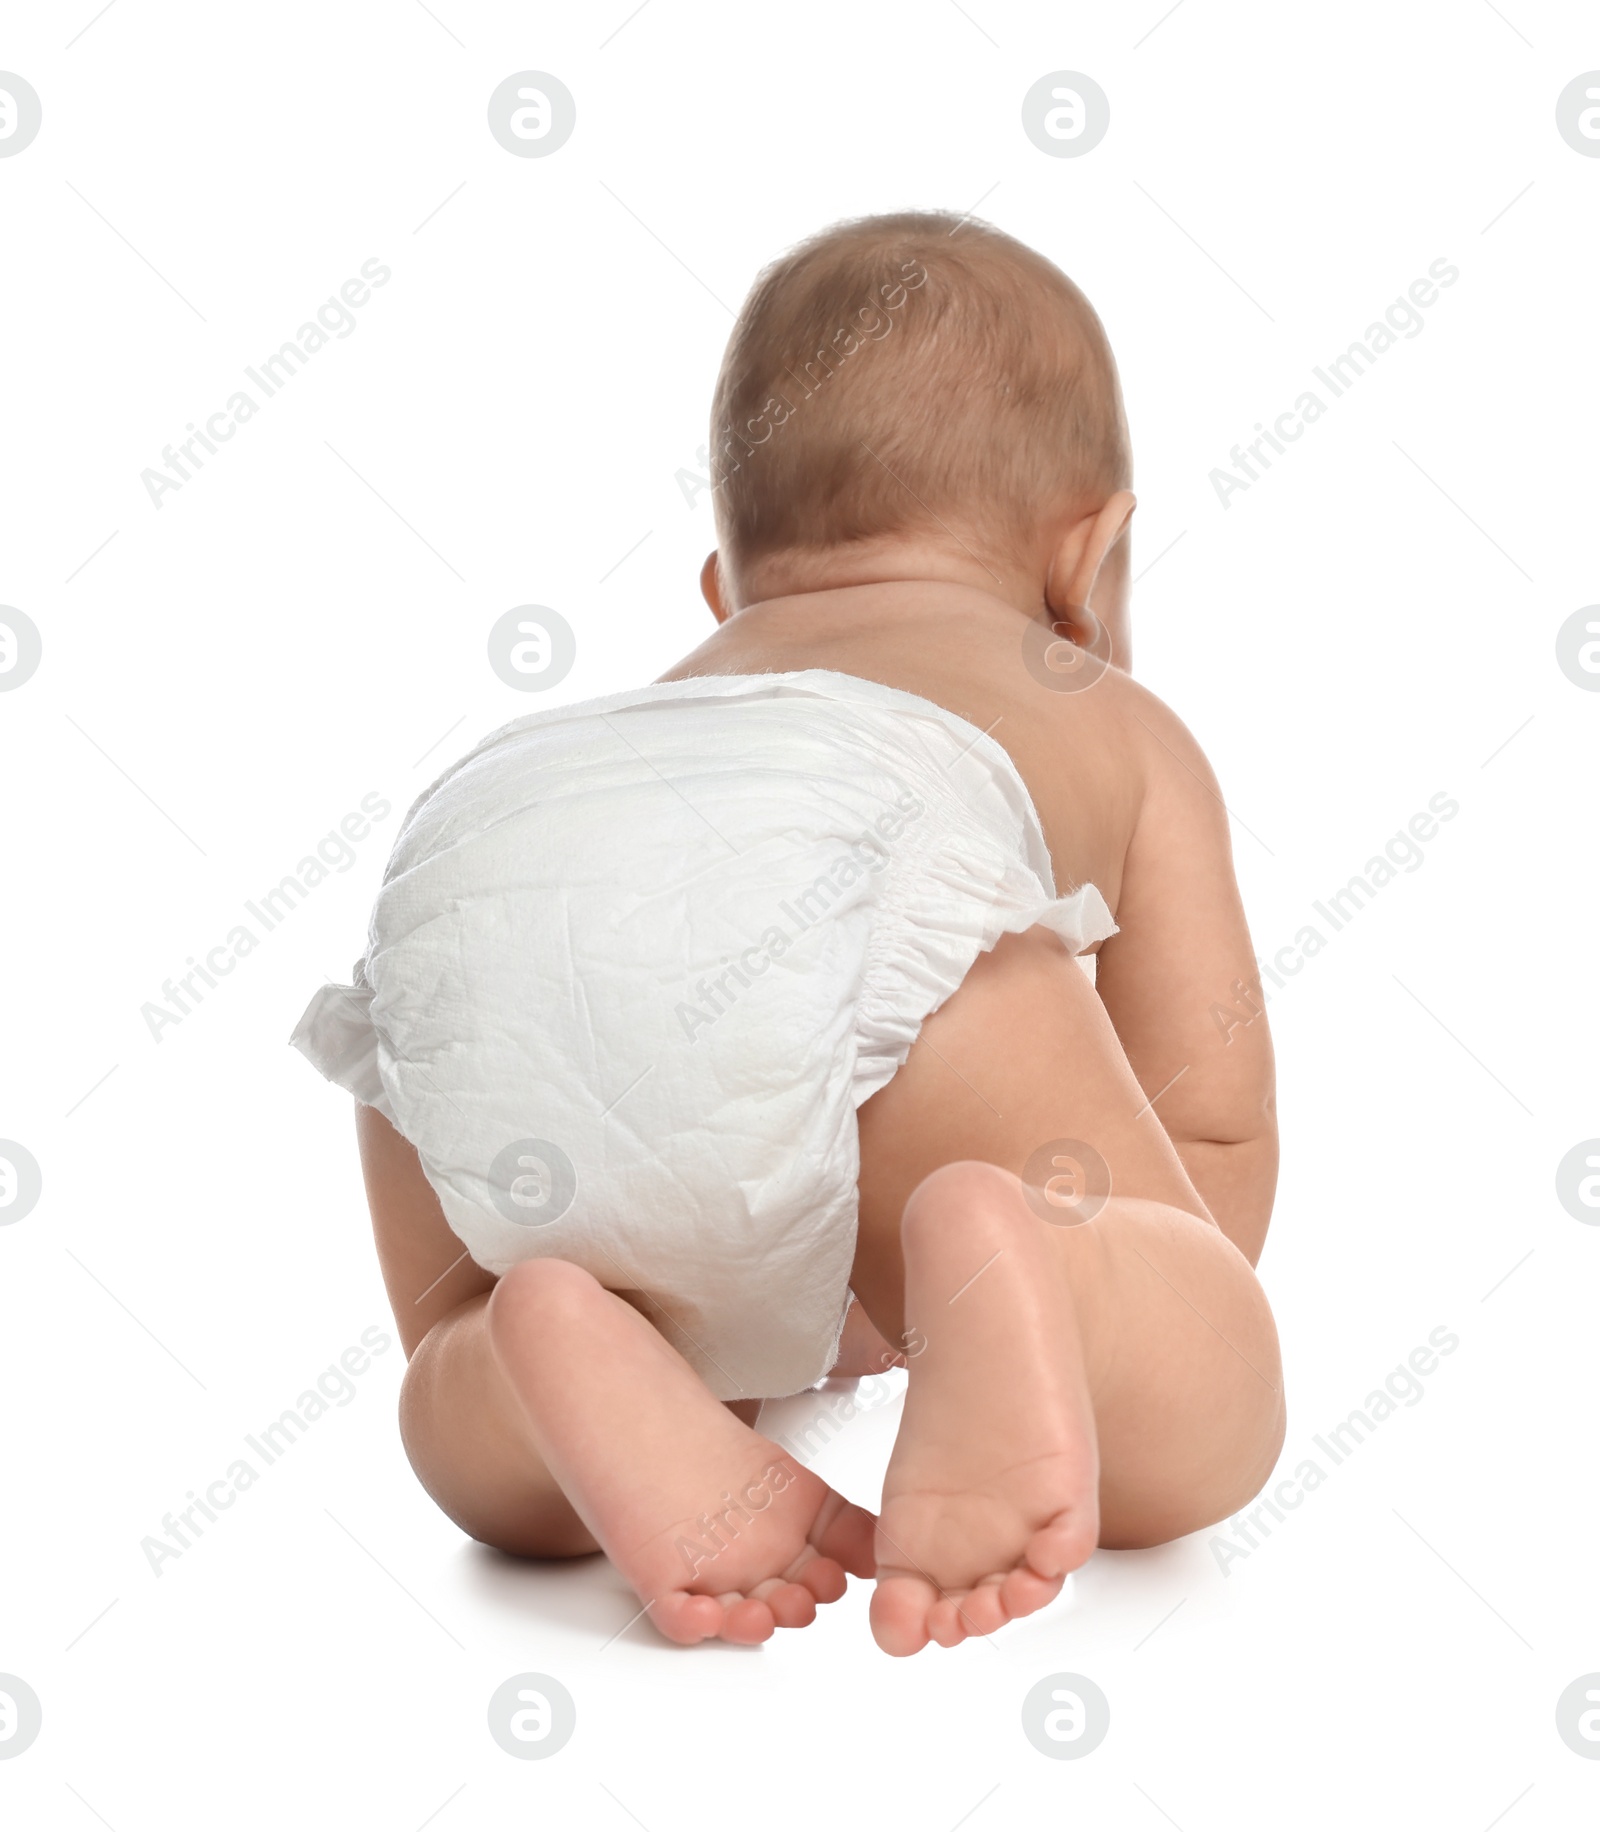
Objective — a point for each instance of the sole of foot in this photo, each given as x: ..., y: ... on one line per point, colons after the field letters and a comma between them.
x: 721, y: 1534
x: 991, y: 1496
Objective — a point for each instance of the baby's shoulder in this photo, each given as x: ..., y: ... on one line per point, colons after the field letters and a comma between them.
x: 1104, y: 762
x: 1140, y: 724
x: 1105, y: 722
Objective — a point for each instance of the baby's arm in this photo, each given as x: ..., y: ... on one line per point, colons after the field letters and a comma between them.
x: 1180, y: 983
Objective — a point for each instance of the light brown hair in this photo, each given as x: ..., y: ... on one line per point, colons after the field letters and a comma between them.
x: 906, y: 373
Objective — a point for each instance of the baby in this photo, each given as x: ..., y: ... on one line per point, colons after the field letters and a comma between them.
x: 730, y: 1031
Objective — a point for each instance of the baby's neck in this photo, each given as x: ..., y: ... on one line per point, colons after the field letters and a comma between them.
x: 886, y: 573
x: 877, y: 601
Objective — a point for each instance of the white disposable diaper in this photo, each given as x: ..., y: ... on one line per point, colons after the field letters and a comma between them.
x: 636, y: 962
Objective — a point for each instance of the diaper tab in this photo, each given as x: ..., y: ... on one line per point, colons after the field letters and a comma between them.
x: 1081, y: 919
x: 337, y: 1037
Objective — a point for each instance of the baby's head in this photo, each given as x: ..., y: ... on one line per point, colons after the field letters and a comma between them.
x: 921, y: 396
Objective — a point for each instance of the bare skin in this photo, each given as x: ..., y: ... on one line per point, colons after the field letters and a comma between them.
x: 546, y: 1417
x: 1118, y: 1377
x: 717, y: 1530
x: 1112, y: 1382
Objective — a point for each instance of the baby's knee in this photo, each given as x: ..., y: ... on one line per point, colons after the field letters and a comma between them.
x: 1137, y: 1520
x: 956, y: 1196
x: 546, y: 1289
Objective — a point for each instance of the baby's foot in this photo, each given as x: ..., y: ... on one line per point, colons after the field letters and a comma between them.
x: 991, y: 1497
x: 718, y: 1531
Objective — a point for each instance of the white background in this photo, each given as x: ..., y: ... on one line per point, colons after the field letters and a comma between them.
x: 305, y: 621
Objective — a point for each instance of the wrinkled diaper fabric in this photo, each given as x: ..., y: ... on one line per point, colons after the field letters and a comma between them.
x: 636, y: 962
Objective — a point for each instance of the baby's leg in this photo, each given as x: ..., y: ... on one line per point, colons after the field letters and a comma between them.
x: 560, y: 1419
x: 1113, y: 1382
x: 717, y: 1530
x: 547, y: 1417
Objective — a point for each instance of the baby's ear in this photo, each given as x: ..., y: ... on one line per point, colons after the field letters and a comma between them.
x: 1082, y: 551
x: 711, y: 587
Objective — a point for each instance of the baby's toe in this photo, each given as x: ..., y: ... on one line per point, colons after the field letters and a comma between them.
x: 792, y: 1605
x: 1062, y: 1545
x: 746, y: 1621
x: 685, y: 1618
x: 1023, y: 1591
x: 844, y: 1533
x: 984, y: 1608
x: 899, y: 1614
x: 823, y: 1577
x: 945, y: 1624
